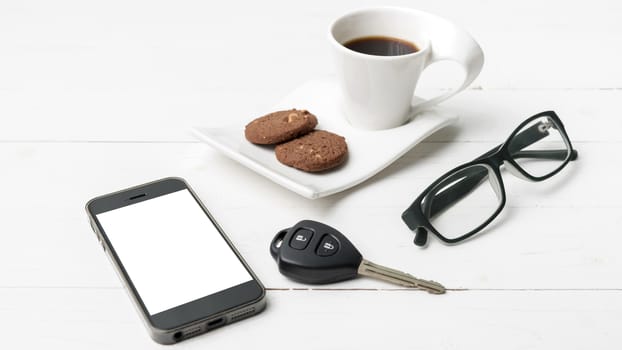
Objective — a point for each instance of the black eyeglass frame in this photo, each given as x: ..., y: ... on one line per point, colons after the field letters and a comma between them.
x: 416, y: 219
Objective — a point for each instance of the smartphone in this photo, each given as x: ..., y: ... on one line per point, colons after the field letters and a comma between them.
x: 183, y: 274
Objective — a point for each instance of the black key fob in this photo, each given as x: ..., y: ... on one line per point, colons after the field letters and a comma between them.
x: 315, y: 253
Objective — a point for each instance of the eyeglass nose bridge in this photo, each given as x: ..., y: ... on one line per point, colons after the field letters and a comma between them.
x: 497, y: 159
x: 514, y: 171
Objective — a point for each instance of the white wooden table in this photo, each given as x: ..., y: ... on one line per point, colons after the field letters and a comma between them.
x: 98, y: 96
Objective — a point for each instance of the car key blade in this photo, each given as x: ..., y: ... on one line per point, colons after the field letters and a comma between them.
x: 370, y: 269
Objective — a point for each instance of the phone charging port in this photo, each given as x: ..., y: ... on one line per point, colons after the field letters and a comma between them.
x: 215, y: 323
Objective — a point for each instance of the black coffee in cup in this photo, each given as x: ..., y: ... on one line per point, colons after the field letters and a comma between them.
x: 381, y: 46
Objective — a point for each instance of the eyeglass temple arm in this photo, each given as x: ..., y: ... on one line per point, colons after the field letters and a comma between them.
x: 549, y: 154
x: 528, y: 137
x: 475, y: 176
x: 471, y: 179
x: 532, y: 135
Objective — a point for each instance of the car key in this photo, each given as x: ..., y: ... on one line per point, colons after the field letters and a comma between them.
x: 315, y: 253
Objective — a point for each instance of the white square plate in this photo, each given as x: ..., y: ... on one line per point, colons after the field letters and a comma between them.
x: 369, y: 151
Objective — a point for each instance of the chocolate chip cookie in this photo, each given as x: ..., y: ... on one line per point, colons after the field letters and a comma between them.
x: 316, y: 151
x: 280, y: 126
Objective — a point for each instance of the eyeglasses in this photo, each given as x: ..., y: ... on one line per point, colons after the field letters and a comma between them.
x: 466, y: 199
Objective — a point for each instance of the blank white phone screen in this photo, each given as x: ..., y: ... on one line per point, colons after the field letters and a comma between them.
x: 171, y: 250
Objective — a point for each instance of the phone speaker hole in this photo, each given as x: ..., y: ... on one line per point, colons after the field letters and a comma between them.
x: 187, y: 333
x: 242, y: 314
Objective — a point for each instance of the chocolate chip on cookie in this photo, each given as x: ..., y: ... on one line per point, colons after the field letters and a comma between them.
x: 280, y: 126
x: 317, y: 151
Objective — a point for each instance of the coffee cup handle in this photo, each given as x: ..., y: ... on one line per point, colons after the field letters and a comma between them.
x: 454, y: 44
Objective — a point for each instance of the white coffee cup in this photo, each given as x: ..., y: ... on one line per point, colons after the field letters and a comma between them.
x: 378, y: 91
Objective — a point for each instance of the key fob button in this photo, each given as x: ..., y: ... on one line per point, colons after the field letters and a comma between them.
x: 300, y: 239
x: 328, y: 246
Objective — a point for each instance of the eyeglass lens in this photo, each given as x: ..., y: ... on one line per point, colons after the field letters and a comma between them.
x: 463, y: 200
x: 539, y: 148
